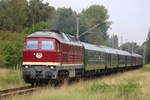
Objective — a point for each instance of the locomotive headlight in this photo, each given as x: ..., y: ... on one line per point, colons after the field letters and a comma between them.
x: 26, y: 66
x: 52, y: 67
x: 39, y: 55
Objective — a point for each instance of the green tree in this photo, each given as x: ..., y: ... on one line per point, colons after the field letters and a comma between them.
x: 13, y: 15
x: 65, y: 20
x: 132, y: 47
x: 12, y: 53
x: 39, y: 11
x: 96, y: 15
x: 113, y: 40
x: 11, y: 47
x: 147, y: 48
x: 37, y: 27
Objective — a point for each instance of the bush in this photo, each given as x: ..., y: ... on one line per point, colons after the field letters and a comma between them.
x: 2, y: 60
x: 11, y: 48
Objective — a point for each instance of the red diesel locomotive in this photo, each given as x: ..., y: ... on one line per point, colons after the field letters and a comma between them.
x: 51, y: 55
x: 54, y: 56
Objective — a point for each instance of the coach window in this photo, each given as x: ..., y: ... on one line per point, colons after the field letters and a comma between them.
x: 47, y: 45
x: 32, y: 44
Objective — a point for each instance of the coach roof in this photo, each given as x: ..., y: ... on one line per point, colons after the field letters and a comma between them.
x: 93, y: 47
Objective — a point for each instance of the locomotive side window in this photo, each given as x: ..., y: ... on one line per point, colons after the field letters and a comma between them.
x: 32, y: 44
x: 57, y: 46
x: 47, y: 45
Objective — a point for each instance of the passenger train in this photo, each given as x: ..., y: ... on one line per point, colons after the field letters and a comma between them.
x: 55, y: 56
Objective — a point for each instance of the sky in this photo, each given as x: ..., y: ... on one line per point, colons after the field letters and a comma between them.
x: 131, y: 18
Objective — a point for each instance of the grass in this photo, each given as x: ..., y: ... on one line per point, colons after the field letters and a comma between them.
x: 132, y: 85
x: 146, y: 68
x: 10, y: 78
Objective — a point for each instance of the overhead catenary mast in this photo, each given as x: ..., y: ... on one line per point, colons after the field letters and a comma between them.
x: 144, y: 47
x: 77, y: 34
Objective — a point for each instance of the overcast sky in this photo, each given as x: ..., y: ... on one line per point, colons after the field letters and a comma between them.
x: 131, y: 18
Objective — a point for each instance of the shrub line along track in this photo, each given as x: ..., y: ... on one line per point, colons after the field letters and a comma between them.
x: 16, y: 91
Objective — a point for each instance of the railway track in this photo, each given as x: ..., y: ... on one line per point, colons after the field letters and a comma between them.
x: 16, y: 91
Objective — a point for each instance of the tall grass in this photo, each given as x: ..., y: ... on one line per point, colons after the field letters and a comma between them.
x: 132, y: 85
x: 10, y: 78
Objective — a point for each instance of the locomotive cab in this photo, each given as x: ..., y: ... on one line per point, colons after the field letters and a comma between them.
x: 40, y: 51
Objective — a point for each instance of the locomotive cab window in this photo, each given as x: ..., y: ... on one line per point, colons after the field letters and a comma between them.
x: 32, y: 44
x: 47, y: 45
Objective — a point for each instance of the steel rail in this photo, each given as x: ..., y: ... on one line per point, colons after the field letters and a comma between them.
x: 16, y: 91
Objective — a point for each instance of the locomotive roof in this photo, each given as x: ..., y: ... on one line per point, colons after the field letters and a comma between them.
x: 62, y: 37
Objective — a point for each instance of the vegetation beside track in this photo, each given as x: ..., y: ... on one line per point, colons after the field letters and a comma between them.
x: 132, y: 85
x: 10, y: 78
